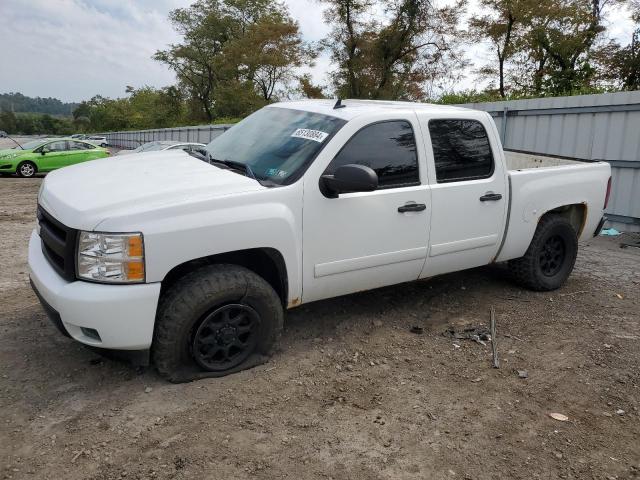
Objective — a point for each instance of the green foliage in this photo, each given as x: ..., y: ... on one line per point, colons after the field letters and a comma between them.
x: 19, y: 103
x: 470, y: 96
x: 404, y: 57
x: 34, y: 123
x: 235, y: 54
x: 308, y: 90
x: 144, y: 108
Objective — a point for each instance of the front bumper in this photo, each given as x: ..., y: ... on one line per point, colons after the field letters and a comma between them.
x: 122, y: 315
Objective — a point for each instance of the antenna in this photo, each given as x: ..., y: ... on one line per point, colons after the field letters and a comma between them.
x: 338, y: 104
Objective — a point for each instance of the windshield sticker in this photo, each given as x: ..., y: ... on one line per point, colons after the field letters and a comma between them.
x: 308, y: 134
x: 274, y: 172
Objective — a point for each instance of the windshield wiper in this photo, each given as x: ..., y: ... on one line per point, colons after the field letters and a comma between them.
x: 233, y: 165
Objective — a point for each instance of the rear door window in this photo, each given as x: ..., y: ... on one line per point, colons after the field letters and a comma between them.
x: 461, y: 150
x: 77, y: 146
x: 56, y: 146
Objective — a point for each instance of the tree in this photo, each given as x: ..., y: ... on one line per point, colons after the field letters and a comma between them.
x: 622, y: 64
x: 246, y: 47
x: 400, y: 57
x: 502, y: 27
x: 268, y: 54
x: 562, y: 40
x: 308, y: 89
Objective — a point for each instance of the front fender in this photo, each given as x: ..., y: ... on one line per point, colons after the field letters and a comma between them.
x: 270, y: 218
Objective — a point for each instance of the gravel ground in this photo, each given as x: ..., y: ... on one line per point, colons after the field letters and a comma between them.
x: 352, y: 393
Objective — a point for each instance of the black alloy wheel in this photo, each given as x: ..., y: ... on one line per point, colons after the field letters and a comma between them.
x: 552, y: 255
x: 226, y: 337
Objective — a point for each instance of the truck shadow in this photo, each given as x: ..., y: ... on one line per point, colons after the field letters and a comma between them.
x: 429, y: 304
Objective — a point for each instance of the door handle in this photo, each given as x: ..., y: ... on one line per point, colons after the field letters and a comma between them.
x: 412, y: 207
x: 491, y: 197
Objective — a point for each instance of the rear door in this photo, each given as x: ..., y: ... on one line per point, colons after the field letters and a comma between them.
x: 78, y: 152
x: 468, y: 191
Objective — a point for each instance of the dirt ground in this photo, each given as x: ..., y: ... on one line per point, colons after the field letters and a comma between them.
x: 351, y: 394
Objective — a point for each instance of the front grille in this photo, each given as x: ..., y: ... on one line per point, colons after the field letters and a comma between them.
x: 58, y: 244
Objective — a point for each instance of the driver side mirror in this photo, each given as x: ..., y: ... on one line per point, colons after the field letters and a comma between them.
x: 349, y: 179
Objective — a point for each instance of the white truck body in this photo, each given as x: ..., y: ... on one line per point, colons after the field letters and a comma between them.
x: 187, y: 209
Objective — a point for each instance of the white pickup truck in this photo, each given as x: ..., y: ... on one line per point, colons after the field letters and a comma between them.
x: 190, y: 264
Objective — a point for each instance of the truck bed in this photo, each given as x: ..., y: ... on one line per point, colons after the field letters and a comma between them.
x: 524, y: 161
x: 539, y: 184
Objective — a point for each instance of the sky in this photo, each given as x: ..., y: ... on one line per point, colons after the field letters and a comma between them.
x: 75, y: 49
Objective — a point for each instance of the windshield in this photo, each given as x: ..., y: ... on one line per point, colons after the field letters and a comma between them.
x: 33, y: 144
x: 276, y: 143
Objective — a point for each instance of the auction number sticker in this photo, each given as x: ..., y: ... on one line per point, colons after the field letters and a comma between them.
x: 308, y: 134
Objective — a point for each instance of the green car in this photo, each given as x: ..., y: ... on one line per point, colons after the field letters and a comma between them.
x: 47, y: 154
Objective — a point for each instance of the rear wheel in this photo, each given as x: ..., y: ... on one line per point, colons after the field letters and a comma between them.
x: 550, y: 258
x: 26, y: 169
x: 217, y: 320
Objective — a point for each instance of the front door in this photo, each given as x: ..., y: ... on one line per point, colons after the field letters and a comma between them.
x: 469, y: 195
x: 365, y: 240
x: 54, y: 155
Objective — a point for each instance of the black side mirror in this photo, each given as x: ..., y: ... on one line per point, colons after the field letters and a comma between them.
x: 42, y: 151
x: 348, y: 179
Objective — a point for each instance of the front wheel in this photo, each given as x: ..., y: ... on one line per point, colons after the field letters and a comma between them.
x: 26, y: 170
x: 216, y: 320
x: 550, y: 258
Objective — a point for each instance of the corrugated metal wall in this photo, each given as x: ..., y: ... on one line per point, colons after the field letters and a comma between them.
x: 198, y: 134
x: 589, y: 127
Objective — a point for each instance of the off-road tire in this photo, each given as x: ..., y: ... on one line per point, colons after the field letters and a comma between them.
x: 185, y: 305
x: 23, y: 174
x: 528, y: 270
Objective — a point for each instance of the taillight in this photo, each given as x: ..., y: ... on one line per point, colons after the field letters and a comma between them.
x: 606, y: 198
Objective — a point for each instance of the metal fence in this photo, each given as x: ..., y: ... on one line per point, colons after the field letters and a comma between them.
x: 586, y: 127
x: 198, y: 134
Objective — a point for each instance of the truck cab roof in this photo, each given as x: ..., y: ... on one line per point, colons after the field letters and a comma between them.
x: 353, y: 108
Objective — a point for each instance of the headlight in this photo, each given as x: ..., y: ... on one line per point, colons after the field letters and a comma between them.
x: 111, y: 257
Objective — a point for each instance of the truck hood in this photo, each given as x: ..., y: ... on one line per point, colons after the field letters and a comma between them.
x: 83, y: 195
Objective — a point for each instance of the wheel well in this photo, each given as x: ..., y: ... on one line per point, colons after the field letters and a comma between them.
x: 576, y: 214
x: 266, y: 262
x: 35, y: 167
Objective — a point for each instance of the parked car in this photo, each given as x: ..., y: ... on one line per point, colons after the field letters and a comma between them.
x: 195, y: 262
x: 161, y: 145
x: 47, y: 154
x: 79, y: 136
x: 99, y: 140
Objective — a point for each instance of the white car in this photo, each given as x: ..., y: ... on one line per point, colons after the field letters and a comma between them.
x: 99, y: 140
x: 196, y: 262
x: 161, y: 145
